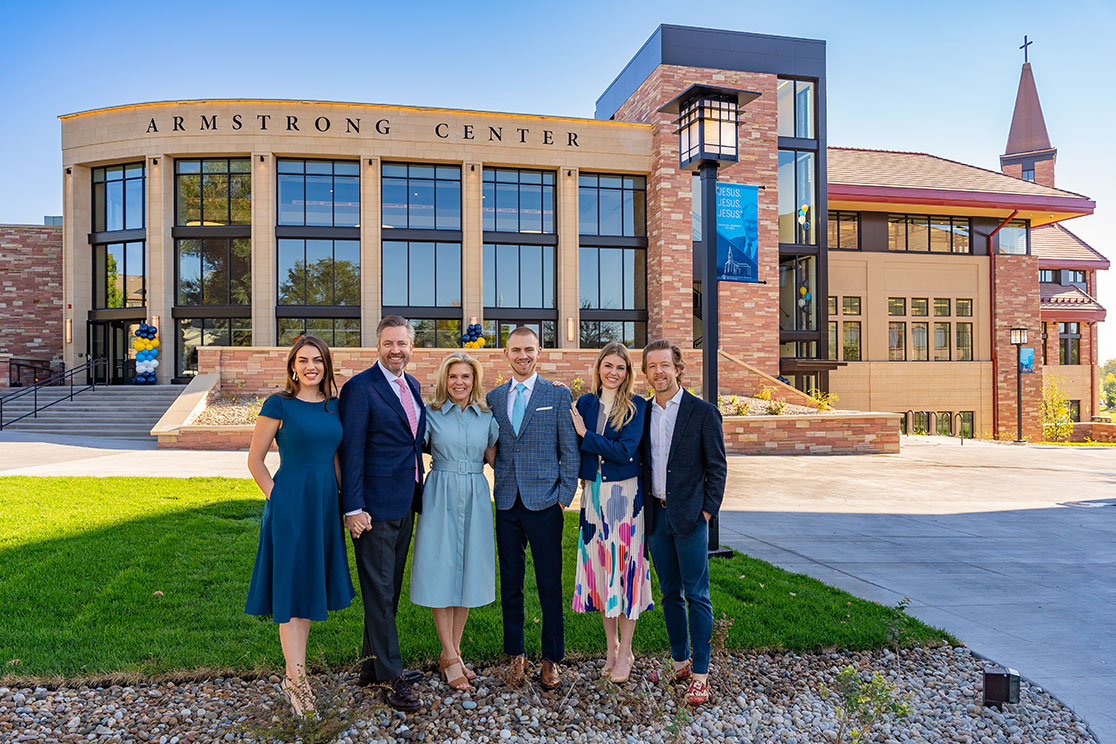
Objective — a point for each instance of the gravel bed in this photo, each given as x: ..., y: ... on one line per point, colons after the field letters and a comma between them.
x: 756, y: 698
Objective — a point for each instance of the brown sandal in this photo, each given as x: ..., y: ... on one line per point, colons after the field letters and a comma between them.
x: 457, y: 683
x: 682, y: 673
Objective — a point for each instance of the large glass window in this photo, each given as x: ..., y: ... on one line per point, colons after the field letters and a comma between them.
x: 844, y: 230
x: 1012, y: 238
x: 963, y: 332
x: 214, y: 271
x: 337, y: 332
x: 422, y: 274
x: 796, y: 108
x: 797, y: 195
x: 850, y: 306
x: 833, y: 339
x: 596, y: 333
x: 441, y: 333
x: 909, y: 232
x: 1069, y: 343
x: 118, y: 197
x: 851, y: 341
x: 421, y: 197
x: 612, y: 205
x: 213, y: 191
x: 518, y: 276
x: 319, y: 192
x: 517, y: 200
x: 920, y: 342
x: 797, y: 303
x: 319, y: 272
x: 941, y: 342
x: 195, y: 332
x: 119, y: 275
x: 897, y: 342
x: 613, y: 278
x: 498, y: 331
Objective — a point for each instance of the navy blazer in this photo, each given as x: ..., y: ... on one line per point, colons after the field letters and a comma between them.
x: 696, y: 466
x: 540, y: 464
x: 377, y: 449
x: 616, y: 451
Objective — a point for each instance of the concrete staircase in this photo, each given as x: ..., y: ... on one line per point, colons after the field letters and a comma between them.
x: 111, y: 412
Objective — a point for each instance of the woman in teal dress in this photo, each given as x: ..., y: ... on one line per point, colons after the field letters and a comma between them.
x: 454, y: 563
x: 302, y: 568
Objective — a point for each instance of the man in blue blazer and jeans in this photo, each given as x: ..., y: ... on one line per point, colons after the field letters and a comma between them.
x: 535, y: 479
x: 381, y: 489
x: 684, y: 470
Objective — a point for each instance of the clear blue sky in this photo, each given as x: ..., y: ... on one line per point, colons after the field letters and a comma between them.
x: 938, y: 78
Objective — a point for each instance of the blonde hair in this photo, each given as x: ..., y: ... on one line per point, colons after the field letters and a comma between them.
x: 441, y: 389
x: 623, y: 410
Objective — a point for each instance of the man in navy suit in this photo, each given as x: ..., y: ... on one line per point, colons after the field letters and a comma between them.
x: 381, y: 489
x: 535, y: 478
x: 684, y: 469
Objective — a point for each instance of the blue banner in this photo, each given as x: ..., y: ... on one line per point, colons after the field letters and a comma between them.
x: 1026, y: 360
x: 737, y: 233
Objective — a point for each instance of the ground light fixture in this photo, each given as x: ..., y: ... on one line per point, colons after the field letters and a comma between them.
x: 1001, y: 685
x: 706, y: 125
x: 1018, y: 339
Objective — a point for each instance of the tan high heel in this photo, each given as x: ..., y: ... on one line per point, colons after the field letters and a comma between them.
x: 294, y: 698
x: 621, y: 680
x: 457, y: 683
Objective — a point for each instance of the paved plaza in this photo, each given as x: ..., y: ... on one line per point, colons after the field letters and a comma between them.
x: 1012, y: 549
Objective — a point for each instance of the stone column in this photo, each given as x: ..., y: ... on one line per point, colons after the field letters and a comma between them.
x: 263, y: 249
x: 568, y: 269
x: 472, y: 244
x: 77, y: 281
x: 160, y: 260
x: 1015, y: 281
x: 370, y: 234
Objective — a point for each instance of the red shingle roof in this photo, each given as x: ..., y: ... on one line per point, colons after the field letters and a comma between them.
x: 1056, y: 243
x: 1057, y: 297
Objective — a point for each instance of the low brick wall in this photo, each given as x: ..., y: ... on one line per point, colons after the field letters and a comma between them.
x: 1095, y: 431
x: 821, y: 434
x: 193, y: 437
x: 254, y: 370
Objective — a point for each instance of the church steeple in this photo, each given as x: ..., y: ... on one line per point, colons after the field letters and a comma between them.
x: 1028, y: 153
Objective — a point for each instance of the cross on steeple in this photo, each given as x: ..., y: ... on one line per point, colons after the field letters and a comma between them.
x: 1024, y: 48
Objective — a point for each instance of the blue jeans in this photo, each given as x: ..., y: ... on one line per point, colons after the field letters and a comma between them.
x: 682, y: 565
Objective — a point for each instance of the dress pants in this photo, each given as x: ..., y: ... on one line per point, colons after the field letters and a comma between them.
x: 516, y: 528
x: 381, y: 556
x: 682, y: 565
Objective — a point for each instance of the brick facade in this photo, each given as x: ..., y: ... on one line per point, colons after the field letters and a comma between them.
x: 1016, y: 303
x: 259, y: 371
x: 858, y: 434
x: 30, y: 294
x: 749, y: 322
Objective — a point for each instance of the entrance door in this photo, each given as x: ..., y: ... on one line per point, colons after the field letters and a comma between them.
x: 111, y: 340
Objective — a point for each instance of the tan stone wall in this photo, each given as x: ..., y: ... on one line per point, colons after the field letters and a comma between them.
x: 749, y: 312
x: 31, y: 294
x: 858, y: 434
x: 877, y: 384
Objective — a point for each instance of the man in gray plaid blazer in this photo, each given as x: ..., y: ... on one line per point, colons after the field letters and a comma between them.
x: 536, y: 476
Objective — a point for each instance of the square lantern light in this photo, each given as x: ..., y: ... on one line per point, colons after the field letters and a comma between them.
x: 1018, y: 336
x: 707, y: 122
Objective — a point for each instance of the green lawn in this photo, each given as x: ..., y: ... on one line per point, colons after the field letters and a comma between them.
x: 148, y: 576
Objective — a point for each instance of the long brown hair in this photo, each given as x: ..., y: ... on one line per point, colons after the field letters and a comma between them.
x: 327, y: 386
x: 623, y: 410
x: 441, y: 389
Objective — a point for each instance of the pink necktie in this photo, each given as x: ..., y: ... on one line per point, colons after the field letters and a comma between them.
x: 409, y: 408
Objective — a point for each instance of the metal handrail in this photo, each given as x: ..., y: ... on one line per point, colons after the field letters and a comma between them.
x: 17, y: 367
x: 90, y: 366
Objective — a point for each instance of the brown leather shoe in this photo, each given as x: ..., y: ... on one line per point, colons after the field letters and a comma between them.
x: 548, y: 677
x: 517, y: 671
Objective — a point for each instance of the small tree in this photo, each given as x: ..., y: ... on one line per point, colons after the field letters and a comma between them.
x: 1056, y: 423
x: 861, y: 704
x: 1108, y: 390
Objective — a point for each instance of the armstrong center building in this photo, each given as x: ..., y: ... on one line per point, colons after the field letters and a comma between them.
x: 247, y: 222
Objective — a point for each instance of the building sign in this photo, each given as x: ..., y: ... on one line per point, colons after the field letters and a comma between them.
x: 737, y: 233
x: 357, y: 127
x: 1027, y: 360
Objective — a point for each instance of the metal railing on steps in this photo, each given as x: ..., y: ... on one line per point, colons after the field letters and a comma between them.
x: 55, y: 382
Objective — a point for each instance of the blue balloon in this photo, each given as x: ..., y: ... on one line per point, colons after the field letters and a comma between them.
x: 138, y: 333
x: 154, y: 353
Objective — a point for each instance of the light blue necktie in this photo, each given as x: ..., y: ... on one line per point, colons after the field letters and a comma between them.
x: 519, y: 407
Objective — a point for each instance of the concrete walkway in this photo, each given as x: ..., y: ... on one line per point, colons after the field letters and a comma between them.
x: 1011, y: 549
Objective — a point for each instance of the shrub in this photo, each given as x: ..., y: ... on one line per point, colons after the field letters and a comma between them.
x: 1056, y: 423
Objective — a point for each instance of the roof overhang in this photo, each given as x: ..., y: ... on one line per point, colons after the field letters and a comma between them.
x: 1039, y: 209
x: 1070, y: 314
x: 1059, y: 263
x: 807, y: 365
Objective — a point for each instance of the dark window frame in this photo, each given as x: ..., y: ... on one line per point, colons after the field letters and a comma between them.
x: 545, y: 188
x: 333, y: 190
x: 229, y: 285
x: 333, y: 265
x: 101, y: 210
x: 1069, y: 343
x: 908, y: 219
x: 843, y: 217
x: 183, y: 374
x: 306, y: 320
x: 100, y: 279
x: 638, y: 186
x: 435, y: 180
x: 201, y: 173
x: 443, y: 311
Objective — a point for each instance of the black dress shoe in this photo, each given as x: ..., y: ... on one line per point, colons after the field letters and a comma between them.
x: 402, y: 697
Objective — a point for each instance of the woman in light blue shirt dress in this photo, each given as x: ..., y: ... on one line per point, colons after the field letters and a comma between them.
x: 454, y: 563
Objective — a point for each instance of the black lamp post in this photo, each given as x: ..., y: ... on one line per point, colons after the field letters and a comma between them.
x: 707, y: 137
x: 1018, y: 338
